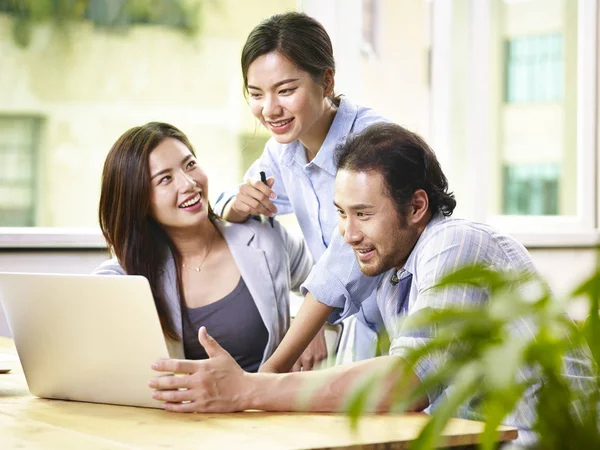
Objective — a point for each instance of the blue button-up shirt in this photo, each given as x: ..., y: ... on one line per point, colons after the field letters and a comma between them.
x: 306, y: 189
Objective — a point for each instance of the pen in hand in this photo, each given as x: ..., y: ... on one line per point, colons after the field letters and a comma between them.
x: 263, y: 178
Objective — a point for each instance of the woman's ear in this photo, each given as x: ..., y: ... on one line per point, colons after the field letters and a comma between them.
x: 419, y: 206
x: 328, y: 82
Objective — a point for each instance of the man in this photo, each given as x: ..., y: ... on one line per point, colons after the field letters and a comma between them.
x: 394, y: 207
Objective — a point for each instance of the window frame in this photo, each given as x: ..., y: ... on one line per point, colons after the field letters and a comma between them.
x: 371, y: 45
x: 567, y: 231
x: 37, y: 121
x: 42, y: 238
x: 536, y: 231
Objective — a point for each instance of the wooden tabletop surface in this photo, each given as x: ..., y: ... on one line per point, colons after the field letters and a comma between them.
x: 28, y: 422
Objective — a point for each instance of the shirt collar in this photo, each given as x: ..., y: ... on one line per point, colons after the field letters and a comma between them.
x: 340, y: 128
x: 409, y: 266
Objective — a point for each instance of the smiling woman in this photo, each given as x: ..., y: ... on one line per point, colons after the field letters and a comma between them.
x: 178, y: 186
x: 290, y: 102
x: 288, y: 69
x: 157, y: 221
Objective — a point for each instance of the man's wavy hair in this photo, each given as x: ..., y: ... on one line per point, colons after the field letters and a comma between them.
x: 404, y: 160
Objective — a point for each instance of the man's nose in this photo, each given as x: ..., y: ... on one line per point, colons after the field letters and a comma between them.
x: 352, y: 234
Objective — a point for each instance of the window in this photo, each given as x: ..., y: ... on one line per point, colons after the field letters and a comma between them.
x: 531, y: 189
x: 534, y: 69
x: 91, y: 81
x: 515, y: 112
x: 19, y: 138
x: 534, y: 134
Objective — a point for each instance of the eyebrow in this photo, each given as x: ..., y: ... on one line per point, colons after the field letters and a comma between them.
x: 167, y: 170
x: 355, y: 207
x: 279, y: 83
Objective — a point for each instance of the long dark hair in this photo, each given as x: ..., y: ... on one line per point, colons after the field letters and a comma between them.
x: 138, y: 242
x: 404, y: 160
x: 298, y: 37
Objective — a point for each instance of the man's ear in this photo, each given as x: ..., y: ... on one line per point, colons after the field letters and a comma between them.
x: 328, y: 82
x: 419, y: 206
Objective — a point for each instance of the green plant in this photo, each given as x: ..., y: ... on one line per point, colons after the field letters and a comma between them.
x: 183, y: 15
x: 484, y: 354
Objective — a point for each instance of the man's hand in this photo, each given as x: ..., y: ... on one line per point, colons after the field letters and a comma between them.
x: 313, y: 355
x: 217, y: 384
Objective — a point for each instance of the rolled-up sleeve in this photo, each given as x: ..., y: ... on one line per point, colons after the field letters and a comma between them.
x: 336, y: 281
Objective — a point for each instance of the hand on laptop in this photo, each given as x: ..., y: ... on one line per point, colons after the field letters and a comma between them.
x: 211, y: 385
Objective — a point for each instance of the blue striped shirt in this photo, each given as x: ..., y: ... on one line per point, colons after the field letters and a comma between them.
x: 444, y: 246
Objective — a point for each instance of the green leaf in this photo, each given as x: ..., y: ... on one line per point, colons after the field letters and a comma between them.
x: 358, y: 401
x: 466, y: 384
x: 489, y: 365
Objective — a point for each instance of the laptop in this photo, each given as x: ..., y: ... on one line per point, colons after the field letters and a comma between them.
x: 89, y: 338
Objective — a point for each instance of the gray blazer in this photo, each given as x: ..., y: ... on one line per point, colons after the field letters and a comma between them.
x: 271, y: 261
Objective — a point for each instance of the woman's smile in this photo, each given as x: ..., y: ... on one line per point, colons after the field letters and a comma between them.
x: 192, y: 203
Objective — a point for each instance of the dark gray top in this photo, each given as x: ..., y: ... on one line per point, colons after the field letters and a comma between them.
x: 234, y: 322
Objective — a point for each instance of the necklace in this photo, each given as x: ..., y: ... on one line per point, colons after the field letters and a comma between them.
x: 199, y: 268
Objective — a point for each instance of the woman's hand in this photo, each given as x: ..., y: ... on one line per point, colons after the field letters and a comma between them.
x: 253, y: 198
x: 217, y: 384
x: 313, y: 355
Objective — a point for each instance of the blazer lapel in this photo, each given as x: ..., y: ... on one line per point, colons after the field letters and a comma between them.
x: 172, y: 298
x: 254, y: 269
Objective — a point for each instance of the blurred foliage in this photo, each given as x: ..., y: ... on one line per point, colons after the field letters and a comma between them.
x: 484, y: 356
x: 183, y: 15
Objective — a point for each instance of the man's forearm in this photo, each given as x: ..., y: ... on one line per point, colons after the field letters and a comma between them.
x: 328, y: 390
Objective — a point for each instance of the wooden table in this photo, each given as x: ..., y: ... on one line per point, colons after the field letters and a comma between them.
x: 27, y: 422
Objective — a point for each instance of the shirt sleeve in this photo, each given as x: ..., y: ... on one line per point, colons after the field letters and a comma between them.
x: 110, y: 267
x: 269, y: 163
x: 336, y: 280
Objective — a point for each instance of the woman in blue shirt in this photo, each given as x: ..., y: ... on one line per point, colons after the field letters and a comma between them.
x: 289, y: 78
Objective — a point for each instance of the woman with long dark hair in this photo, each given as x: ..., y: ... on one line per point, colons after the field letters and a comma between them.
x: 234, y: 279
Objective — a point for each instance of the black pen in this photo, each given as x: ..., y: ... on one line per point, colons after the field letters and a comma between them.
x: 263, y: 178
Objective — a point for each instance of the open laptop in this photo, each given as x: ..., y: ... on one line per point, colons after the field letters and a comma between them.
x: 88, y: 338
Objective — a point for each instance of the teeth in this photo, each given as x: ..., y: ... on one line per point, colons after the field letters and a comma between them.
x: 282, y: 123
x: 191, y: 202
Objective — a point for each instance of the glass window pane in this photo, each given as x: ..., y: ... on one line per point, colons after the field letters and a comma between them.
x: 18, y: 150
x: 535, y: 129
